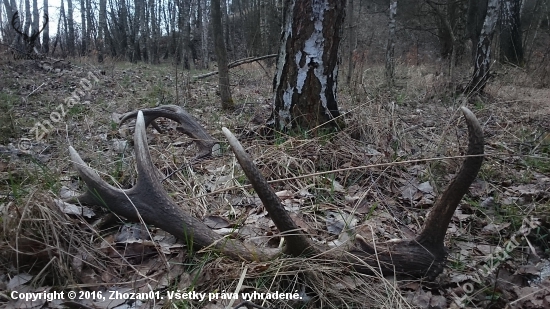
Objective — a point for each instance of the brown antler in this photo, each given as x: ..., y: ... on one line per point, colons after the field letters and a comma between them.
x: 149, y: 200
x: 423, y: 256
x: 188, y: 125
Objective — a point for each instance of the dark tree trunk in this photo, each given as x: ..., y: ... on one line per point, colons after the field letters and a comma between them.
x: 46, y: 33
x: 483, y: 54
x: 476, y: 16
x: 307, y: 66
x: 221, y: 56
x: 390, y: 48
x: 123, y: 35
x: 102, y: 29
x: 203, y: 29
x: 84, y: 32
x: 511, y: 49
x: 70, y: 22
x: 28, y: 18
x: 35, y: 22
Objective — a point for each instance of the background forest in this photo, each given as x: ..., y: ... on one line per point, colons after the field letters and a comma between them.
x: 370, y: 162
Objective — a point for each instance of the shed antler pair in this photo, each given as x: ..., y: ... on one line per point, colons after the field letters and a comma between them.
x: 423, y: 256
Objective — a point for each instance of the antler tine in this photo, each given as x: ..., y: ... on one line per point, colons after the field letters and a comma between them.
x: 44, y: 24
x: 297, y: 243
x: 148, y: 199
x: 14, y: 20
x: 188, y: 125
x: 444, y: 207
x: 426, y: 254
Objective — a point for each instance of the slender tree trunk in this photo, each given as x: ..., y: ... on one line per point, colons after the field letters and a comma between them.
x: 84, y: 32
x: 476, y: 15
x: 221, y: 56
x: 35, y: 22
x: 144, y: 36
x: 124, y: 29
x: 62, y: 18
x: 90, y: 23
x: 204, y: 36
x: 483, y: 55
x: 46, y: 33
x: 264, y: 28
x: 225, y: 23
x: 185, y: 30
x: 71, y: 34
x: 390, y: 48
x: 153, y: 39
x: 134, y: 48
x: 101, y: 31
x: 149, y: 31
x: 307, y: 65
x: 511, y: 48
x: 10, y: 10
x: 28, y: 19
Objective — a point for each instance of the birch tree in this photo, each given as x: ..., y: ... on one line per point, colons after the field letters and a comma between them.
x: 307, y: 66
x: 483, y: 50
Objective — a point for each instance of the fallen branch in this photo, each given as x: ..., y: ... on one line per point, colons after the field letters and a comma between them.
x: 237, y: 63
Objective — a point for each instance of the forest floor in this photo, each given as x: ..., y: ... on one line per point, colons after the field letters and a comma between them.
x: 499, y: 252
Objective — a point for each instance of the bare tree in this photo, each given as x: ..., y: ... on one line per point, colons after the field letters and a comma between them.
x: 483, y: 50
x: 84, y: 32
x: 11, y: 8
x: 351, y: 39
x: 144, y: 28
x: 225, y: 22
x: 90, y: 23
x: 203, y: 29
x: 28, y: 19
x: 475, y: 17
x: 71, y: 34
x: 123, y: 29
x: 390, y: 48
x: 152, y: 34
x: 46, y: 34
x: 35, y: 21
x: 307, y: 66
x: 102, y: 30
x: 221, y: 56
x: 184, y: 24
x: 511, y: 48
x: 264, y: 27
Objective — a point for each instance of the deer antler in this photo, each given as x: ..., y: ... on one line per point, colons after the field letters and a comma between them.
x: 149, y: 200
x: 423, y: 256
x: 188, y: 125
x: 28, y: 39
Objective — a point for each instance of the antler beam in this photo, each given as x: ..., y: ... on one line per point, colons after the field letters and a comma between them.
x: 188, y: 125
